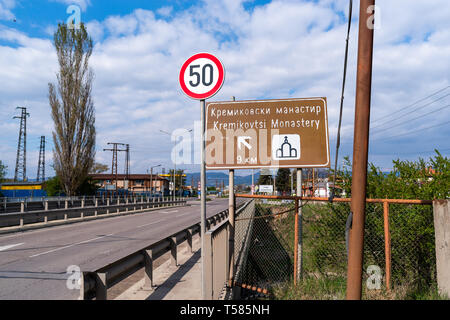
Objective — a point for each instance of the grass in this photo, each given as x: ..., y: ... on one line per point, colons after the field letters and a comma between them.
x: 324, y: 259
x: 333, y: 288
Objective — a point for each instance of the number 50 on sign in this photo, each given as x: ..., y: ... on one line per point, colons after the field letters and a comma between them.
x: 202, y: 76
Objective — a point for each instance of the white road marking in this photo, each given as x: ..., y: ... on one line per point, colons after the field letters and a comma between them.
x: 10, y: 246
x: 182, y: 215
x: 148, y: 224
x: 70, y: 245
x: 173, y: 211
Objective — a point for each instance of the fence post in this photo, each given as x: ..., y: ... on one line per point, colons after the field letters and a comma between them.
x: 441, y: 228
x: 299, y: 226
x: 387, y: 244
x: 46, y: 209
x: 66, y: 206
x: 96, y: 205
x: 173, y: 250
x: 82, y: 206
x: 296, y: 243
x: 208, y: 265
x: 101, y: 286
x: 148, y: 282
x: 189, y: 239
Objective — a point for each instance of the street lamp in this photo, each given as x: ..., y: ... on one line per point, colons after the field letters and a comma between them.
x: 175, y: 162
x: 151, y: 179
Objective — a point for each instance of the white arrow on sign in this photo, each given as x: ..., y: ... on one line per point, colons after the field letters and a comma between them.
x: 242, y: 141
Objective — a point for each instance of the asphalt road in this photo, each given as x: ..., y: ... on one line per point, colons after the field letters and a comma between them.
x: 33, y: 264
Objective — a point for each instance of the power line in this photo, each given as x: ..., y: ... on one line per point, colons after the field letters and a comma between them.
x: 422, y: 106
x: 421, y: 116
x: 408, y: 106
x: 414, y: 131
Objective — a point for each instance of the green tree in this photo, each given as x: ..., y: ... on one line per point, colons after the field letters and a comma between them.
x: 421, y: 179
x: 3, y: 171
x: 265, y: 180
x: 53, y: 187
x: 87, y: 188
x: 283, y: 180
x: 180, y: 178
x: 72, y: 108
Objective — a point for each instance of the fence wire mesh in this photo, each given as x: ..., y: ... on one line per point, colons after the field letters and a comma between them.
x: 270, y: 233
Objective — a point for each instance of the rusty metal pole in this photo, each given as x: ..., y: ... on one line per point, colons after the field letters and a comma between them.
x: 360, y: 150
x: 387, y: 244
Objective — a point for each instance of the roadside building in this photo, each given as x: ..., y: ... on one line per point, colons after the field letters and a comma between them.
x: 139, y: 183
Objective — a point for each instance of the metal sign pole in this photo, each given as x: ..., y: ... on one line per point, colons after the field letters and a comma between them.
x: 231, y: 218
x: 300, y: 226
x: 203, y: 196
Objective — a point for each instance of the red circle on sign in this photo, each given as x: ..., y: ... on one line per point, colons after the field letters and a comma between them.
x: 215, y: 89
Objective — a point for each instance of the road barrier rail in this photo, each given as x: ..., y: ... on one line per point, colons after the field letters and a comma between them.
x: 95, y: 283
x: 29, y: 204
x: 217, y: 247
x: 112, y: 206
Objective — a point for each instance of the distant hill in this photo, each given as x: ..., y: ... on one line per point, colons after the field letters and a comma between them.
x: 213, y: 177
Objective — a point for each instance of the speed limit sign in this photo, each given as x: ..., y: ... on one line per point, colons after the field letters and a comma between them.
x: 202, y: 76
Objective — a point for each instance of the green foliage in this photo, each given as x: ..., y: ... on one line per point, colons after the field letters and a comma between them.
x: 425, y: 180
x: 87, y: 188
x: 3, y: 171
x: 265, y: 180
x: 180, y: 179
x: 283, y: 180
x: 53, y: 187
x: 72, y: 108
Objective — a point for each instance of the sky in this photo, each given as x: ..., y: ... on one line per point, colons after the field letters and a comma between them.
x: 270, y: 49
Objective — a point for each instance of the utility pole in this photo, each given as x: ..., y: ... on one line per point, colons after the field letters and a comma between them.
x: 21, y: 159
x: 41, y: 162
x: 127, y: 165
x: 115, y: 150
x: 151, y: 179
x: 360, y: 151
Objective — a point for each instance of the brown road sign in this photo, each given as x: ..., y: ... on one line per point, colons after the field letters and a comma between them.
x: 287, y: 133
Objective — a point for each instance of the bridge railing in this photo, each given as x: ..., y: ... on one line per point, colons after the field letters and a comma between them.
x: 99, y: 207
x: 217, y: 247
x: 95, y: 283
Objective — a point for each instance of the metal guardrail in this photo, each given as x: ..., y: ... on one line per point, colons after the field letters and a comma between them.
x: 45, y: 216
x: 10, y: 205
x: 95, y: 283
x: 217, y: 247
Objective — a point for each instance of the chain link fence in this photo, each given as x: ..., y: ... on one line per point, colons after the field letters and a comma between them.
x: 399, y: 253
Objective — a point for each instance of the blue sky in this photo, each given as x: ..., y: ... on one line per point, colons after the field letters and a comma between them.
x: 271, y: 49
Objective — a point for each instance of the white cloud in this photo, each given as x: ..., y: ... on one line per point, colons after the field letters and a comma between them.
x: 5, y: 9
x: 279, y: 50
